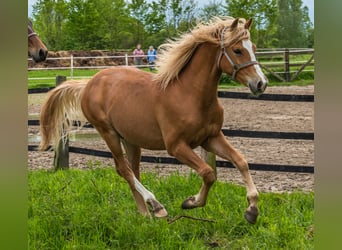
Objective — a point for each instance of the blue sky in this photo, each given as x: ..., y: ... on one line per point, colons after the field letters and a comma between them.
x: 309, y: 3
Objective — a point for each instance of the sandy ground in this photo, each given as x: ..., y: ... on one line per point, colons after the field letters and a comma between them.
x: 239, y: 114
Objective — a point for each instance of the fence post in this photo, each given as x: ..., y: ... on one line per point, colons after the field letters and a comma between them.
x: 287, y: 65
x: 71, y: 66
x: 210, y: 159
x: 126, y: 59
x: 61, y: 158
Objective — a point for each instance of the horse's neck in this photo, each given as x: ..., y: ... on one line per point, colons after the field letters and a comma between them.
x: 202, y: 74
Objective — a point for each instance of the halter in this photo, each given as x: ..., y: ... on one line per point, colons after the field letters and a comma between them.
x: 236, y: 67
x: 32, y: 33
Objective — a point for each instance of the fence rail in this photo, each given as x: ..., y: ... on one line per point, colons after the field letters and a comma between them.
x: 287, y: 74
x: 233, y: 132
x: 231, y: 95
x: 227, y: 132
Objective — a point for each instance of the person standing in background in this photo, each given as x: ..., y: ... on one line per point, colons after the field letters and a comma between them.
x: 151, y: 57
x: 138, y: 54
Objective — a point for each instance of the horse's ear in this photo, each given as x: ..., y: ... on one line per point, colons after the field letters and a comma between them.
x: 234, y: 24
x: 248, y: 24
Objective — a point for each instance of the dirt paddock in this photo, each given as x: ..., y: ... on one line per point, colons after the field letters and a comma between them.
x: 239, y: 114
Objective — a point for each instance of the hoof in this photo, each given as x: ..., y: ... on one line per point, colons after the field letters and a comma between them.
x: 160, y: 212
x: 189, y: 203
x: 157, y: 208
x: 251, y: 215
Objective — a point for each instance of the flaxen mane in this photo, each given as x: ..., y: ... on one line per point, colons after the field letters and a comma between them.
x: 175, y: 54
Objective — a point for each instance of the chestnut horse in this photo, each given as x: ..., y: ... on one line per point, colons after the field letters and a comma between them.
x: 36, y: 47
x: 176, y: 109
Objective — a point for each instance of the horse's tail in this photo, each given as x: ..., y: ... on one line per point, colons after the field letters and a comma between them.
x: 63, y: 105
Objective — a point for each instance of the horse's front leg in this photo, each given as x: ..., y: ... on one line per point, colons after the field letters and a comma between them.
x: 186, y: 155
x: 220, y: 146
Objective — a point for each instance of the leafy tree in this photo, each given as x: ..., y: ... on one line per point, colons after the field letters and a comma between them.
x: 308, y: 28
x: 264, y: 14
x: 311, y: 40
x: 213, y: 8
x: 60, y: 18
x: 156, y: 24
x: 166, y: 18
x: 156, y: 16
x: 120, y: 24
x: 49, y: 18
x: 117, y: 28
x: 84, y: 24
x: 139, y: 10
x: 188, y: 16
x: 293, y: 24
x: 175, y: 13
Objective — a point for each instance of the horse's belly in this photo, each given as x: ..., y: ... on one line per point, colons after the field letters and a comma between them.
x: 139, y: 128
x: 143, y: 139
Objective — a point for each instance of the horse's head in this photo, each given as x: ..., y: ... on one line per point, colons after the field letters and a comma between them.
x: 36, y: 47
x: 238, y: 58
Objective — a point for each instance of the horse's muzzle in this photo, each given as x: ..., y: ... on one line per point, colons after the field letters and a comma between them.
x: 43, y: 54
x: 40, y: 55
x: 258, y: 87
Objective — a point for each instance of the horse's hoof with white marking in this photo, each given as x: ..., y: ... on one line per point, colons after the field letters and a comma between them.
x: 160, y: 212
x: 157, y: 208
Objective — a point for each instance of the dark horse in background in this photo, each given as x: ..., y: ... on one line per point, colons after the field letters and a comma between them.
x: 36, y: 48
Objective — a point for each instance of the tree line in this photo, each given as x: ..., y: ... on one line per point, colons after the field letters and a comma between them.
x: 120, y: 24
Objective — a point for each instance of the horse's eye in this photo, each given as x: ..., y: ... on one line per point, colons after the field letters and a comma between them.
x: 237, y: 51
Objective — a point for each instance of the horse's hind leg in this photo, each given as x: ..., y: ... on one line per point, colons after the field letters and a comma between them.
x: 133, y: 155
x: 140, y: 193
x: 221, y: 147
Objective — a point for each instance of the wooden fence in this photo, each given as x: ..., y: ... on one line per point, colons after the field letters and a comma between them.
x: 276, y: 62
x: 288, y: 74
x: 62, y: 153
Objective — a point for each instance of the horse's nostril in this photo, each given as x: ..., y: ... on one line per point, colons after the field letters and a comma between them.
x: 259, y: 85
x: 42, y: 54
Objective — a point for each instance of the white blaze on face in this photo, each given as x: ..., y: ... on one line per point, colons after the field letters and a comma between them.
x: 247, y: 44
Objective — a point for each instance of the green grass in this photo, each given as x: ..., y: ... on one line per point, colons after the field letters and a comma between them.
x: 94, y: 209
x: 39, y: 83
